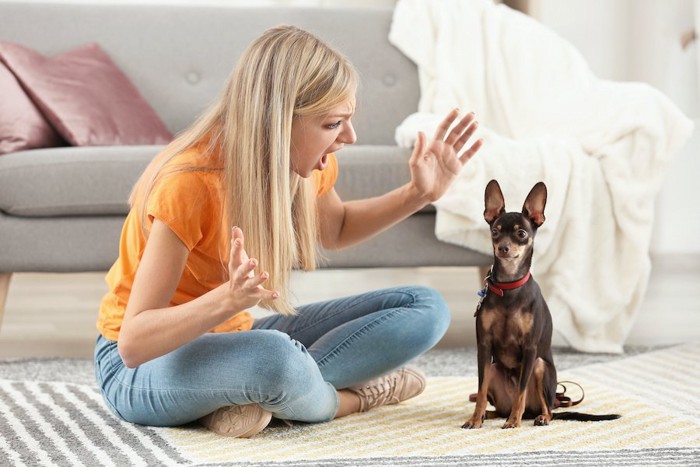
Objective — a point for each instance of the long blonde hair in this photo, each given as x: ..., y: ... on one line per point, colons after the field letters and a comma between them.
x: 284, y: 74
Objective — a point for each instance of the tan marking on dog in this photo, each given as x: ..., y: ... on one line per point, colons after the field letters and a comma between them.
x: 523, y: 321
x: 487, y: 318
x: 516, y: 415
x: 519, y: 324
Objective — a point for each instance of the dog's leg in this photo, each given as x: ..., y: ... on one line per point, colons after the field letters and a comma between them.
x: 542, y: 378
x: 479, y: 414
x: 485, y: 368
x: 516, y: 415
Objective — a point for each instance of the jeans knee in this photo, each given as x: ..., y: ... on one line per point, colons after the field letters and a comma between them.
x: 286, y: 368
x: 294, y: 386
x: 434, y: 311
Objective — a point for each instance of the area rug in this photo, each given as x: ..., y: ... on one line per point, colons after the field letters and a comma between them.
x: 66, y: 423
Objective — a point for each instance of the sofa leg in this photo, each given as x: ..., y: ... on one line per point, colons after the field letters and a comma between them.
x: 4, y: 290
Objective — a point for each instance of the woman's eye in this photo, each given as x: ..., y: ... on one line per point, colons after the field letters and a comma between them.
x: 335, y: 125
x: 522, y: 234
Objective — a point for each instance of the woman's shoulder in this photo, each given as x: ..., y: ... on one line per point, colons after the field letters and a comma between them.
x: 192, y: 176
x: 199, y: 156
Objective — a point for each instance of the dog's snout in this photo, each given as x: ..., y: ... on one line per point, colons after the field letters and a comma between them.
x: 503, y: 249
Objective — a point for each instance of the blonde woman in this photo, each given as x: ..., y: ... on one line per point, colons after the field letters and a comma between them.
x: 218, y: 221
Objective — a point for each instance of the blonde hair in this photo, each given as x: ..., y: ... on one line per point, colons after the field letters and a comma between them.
x: 284, y: 74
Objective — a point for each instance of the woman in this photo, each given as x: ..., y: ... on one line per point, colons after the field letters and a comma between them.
x: 218, y: 221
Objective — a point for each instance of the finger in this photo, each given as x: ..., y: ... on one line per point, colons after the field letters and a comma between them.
x: 254, y: 284
x: 250, y: 266
x: 458, y: 131
x: 469, y: 153
x: 445, y: 125
x: 243, y: 272
x: 233, y: 261
x: 257, y: 280
x: 236, y: 233
x: 242, y: 255
x: 419, y: 147
x: 268, y: 294
x: 459, y: 144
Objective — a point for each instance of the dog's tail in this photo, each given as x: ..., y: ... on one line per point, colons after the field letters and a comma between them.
x: 584, y: 417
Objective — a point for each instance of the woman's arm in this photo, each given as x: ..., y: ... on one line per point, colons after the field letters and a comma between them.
x: 434, y: 166
x: 343, y: 224
x: 151, y: 327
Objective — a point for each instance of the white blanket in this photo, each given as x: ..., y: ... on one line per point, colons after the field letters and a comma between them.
x: 601, y: 147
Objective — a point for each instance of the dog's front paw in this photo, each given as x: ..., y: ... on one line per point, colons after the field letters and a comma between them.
x: 474, y: 422
x: 511, y: 423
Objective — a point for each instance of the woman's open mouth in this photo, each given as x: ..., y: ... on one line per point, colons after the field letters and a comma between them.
x: 323, y: 162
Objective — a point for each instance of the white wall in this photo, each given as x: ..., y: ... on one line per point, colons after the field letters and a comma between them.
x: 639, y: 40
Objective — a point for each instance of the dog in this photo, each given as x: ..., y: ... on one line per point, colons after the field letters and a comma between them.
x: 513, y: 324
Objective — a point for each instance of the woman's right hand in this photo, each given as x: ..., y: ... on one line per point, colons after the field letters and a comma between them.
x: 245, y: 286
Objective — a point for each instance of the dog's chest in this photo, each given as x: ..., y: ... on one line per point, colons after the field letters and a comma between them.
x: 507, y: 328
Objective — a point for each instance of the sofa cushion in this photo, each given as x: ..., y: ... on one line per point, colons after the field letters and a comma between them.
x: 366, y: 171
x: 98, y: 180
x: 71, y: 181
x: 85, y: 96
x: 21, y: 125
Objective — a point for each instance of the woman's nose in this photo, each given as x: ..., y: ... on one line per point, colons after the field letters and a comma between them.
x: 348, y: 136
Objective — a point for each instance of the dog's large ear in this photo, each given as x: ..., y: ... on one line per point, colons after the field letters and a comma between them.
x: 533, y: 208
x: 493, y: 199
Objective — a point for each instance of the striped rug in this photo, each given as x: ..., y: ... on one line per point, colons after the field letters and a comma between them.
x: 48, y: 423
x: 66, y: 424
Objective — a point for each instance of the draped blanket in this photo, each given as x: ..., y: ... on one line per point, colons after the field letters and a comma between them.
x: 601, y: 147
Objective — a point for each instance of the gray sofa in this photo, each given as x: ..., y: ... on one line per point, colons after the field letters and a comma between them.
x: 61, y: 209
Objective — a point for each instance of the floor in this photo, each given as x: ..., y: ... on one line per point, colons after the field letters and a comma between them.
x: 53, y: 315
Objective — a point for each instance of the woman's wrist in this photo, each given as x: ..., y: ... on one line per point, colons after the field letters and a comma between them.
x: 415, y: 197
x: 224, y: 304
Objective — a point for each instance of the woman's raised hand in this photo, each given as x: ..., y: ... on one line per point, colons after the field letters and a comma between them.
x: 245, y: 286
x: 435, y: 164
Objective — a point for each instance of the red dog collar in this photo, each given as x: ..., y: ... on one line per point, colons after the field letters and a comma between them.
x: 499, y: 287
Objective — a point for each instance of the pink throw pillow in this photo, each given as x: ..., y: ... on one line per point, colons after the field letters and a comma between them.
x: 85, y: 96
x: 21, y: 125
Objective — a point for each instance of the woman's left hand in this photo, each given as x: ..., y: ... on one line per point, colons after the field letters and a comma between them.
x: 435, y: 164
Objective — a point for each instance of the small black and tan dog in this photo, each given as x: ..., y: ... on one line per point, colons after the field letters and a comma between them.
x: 513, y: 324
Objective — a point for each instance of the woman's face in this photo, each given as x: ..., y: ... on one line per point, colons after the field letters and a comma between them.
x: 313, y: 138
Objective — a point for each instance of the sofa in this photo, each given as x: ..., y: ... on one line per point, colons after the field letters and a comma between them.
x: 62, y: 208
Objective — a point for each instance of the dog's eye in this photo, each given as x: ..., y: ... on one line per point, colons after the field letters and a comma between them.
x: 494, y: 232
x: 522, y: 234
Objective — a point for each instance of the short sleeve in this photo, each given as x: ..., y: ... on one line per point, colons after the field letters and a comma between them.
x: 182, y: 201
x: 325, y: 179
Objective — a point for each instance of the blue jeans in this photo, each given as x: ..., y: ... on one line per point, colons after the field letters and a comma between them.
x: 289, y: 365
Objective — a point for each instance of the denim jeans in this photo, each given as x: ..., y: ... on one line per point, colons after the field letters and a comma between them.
x: 289, y: 365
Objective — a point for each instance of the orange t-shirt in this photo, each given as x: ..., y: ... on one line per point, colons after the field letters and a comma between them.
x: 190, y: 203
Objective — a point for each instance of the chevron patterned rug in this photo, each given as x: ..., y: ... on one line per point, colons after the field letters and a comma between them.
x: 64, y: 423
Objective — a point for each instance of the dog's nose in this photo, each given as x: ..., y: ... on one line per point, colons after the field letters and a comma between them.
x: 504, y: 249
